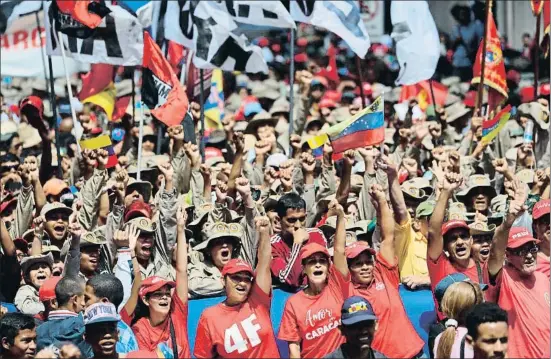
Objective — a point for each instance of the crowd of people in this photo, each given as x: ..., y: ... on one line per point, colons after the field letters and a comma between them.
x: 101, y: 259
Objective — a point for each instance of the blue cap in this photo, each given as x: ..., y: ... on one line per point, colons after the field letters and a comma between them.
x: 101, y: 313
x: 315, y: 82
x: 252, y: 108
x: 448, y: 280
x: 356, y: 309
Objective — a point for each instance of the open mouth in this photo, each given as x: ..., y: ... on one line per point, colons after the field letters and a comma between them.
x: 41, y: 277
x: 485, y: 251
x: 240, y: 289
x: 460, y: 251
x: 56, y: 272
x: 59, y: 228
x: 225, y: 253
x: 164, y: 303
x: 317, y: 273
x: 146, y: 248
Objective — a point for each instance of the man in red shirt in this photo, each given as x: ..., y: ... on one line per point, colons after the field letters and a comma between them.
x: 454, y: 237
x: 286, y: 245
x: 540, y: 215
x: 522, y: 291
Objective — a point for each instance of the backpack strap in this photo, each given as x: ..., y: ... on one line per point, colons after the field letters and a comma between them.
x: 462, y: 347
x: 173, y: 338
x: 479, y: 271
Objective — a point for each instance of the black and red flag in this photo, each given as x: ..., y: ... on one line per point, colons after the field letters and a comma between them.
x: 161, y: 91
x: 78, y: 18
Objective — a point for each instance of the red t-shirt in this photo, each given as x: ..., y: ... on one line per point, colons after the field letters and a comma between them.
x: 395, y: 337
x: 286, y: 265
x: 526, y: 300
x: 314, y: 321
x: 543, y: 265
x: 443, y: 267
x: 149, y: 337
x: 243, y: 331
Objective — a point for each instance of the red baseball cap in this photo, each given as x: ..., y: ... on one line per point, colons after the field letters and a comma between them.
x: 541, y: 208
x: 355, y: 249
x: 327, y: 103
x: 152, y: 284
x: 137, y: 209
x: 6, y: 204
x: 235, y: 266
x: 47, y: 290
x: 21, y: 244
x: 211, y: 152
x: 332, y: 95
x: 301, y: 41
x: 545, y: 89
x: 312, y: 248
x: 301, y: 58
x: 518, y: 236
x: 453, y: 224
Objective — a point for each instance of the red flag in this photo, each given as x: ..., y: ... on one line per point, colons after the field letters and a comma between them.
x: 494, y: 72
x: 89, y: 13
x: 331, y: 72
x: 120, y: 107
x: 161, y: 90
x: 95, y: 81
x: 413, y: 91
x: 175, y: 55
x: 537, y: 6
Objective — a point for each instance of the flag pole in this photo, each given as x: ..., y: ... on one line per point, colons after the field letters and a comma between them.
x: 432, y: 94
x: 202, y: 118
x: 292, y: 88
x: 483, y: 65
x: 133, y: 95
x: 382, y: 145
x: 537, y: 56
x: 41, y: 46
x: 54, y: 112
x: 140, y: 140
x: 359, y: 70
x: 70, y: 92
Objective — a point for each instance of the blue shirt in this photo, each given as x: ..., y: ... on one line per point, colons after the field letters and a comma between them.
x: 127, y: 340
x: 471, y: 35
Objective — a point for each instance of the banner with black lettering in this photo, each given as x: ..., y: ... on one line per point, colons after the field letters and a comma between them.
x: 207, y: 29
x: 78, y: 18
x: 341, y: 17
x: 10, y: 10
x: 118, y: 40
x: 260, y: 13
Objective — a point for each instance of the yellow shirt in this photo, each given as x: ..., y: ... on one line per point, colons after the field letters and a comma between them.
x: 411, y: 249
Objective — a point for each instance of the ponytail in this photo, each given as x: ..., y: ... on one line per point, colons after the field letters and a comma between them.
x: 447, y: 338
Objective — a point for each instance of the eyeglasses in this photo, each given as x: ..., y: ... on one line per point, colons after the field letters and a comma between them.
x: 524, y: 251
x: 294, y: 220
x: 159, y: 295
x: 314, y: 261
x: 241, y: 278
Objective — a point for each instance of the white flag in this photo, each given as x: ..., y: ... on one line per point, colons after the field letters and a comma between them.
x: 417, y: 41
x: 340, y: 17
x: 118, y: 40
x: 260, y: 13
x: 207, y: 29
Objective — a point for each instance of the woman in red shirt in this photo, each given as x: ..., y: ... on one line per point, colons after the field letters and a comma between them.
x: 240, y: 327
x: 311, y: 318
x: 166, y: 309
x: 375, y: 277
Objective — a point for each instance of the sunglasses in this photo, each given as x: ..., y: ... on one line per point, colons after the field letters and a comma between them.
x: 294, y: 220
x: 8, y: 168
x: 524, y: 251
x: 241, y: 278
x: 56, y: 217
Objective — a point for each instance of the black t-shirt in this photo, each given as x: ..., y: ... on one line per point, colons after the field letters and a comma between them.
x: 339, y: 354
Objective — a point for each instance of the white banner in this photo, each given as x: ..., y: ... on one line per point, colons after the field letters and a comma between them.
x: 260, y: 13
x: 207, y: 30
x: 417, y: 41
x: 10, y: 10
x: 341, y: 17
x: 373, y: 16
x: 20, y: 52
x: 118, y: 40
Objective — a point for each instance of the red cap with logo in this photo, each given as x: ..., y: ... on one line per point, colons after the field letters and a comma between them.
x: 519, y: 236
x: 449, y: 225
x: 7, y: 203
x: 541, y: 208
x: 47, y: 290
x: 235, y: 266
x: 152, y: 284
x: 355, y: 249
x: 137, y: 209
x: 312, y: 248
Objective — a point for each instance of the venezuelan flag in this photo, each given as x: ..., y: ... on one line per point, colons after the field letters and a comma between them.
x: 103, y: 142
x: 364, y: 129
x: 105, y: 99
x: 491, y: 128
